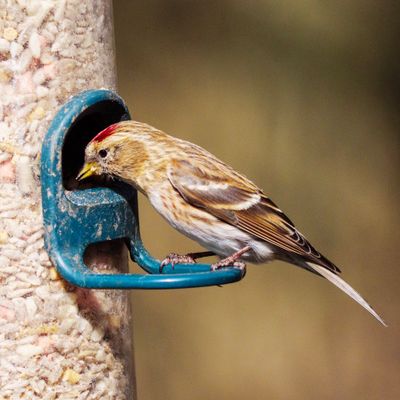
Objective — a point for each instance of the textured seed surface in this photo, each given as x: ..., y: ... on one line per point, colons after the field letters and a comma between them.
x: 56, y: 342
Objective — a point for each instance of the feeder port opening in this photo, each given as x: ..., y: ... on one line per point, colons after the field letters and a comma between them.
x: 87, y: 125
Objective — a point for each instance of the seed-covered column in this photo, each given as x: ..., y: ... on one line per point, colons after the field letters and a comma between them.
x: 56, y: 341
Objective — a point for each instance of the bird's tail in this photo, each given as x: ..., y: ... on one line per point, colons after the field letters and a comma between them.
x: 342, y: 285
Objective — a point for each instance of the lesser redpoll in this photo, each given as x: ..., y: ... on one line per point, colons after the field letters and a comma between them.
x: 206, y: 200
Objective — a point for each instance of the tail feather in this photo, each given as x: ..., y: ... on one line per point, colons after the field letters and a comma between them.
x: 342, y: 285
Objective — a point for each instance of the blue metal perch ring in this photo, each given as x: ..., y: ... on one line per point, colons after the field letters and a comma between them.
x: 75, y: 218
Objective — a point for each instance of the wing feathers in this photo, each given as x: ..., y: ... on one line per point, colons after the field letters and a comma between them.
x: 207, y: 188
x: 234, y: 199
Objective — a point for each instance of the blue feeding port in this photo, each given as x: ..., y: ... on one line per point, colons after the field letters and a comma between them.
x: 76, y: 217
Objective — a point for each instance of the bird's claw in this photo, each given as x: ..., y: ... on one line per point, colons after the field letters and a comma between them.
x: 174, y: 259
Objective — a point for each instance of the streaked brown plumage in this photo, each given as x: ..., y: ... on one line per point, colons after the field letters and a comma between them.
x: 205, y: 199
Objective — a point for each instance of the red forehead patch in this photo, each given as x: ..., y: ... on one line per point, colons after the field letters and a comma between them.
x: 105, y: 133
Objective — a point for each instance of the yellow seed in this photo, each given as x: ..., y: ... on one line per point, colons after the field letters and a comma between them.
x: 4, y: 76
x: 71, y: 376
x: 47, y: 329
x: 10, y: 34
x: 3, y: 237
x: 54, y: 276
x: 37, y: 113
x: 115, y: 321
x: 9, y: 148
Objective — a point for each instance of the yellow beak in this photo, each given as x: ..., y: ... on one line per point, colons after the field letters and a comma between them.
x: 87, y: 170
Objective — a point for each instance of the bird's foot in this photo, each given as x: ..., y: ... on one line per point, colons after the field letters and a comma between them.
x: 228, y: 262
x: 232, y: 260
x: 173, y: 259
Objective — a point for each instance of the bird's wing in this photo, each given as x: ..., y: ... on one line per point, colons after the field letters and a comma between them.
x: 217, y: 188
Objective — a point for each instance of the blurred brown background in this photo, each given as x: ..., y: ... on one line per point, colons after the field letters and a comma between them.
x: 302, y: 97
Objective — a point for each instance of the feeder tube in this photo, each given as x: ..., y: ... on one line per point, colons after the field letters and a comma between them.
x: 56, y: 340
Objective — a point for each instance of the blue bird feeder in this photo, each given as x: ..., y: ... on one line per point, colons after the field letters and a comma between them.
x: 74, y: 217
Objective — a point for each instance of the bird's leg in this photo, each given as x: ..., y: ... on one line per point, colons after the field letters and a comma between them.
x: 190, y: 258
x: 232, y: 260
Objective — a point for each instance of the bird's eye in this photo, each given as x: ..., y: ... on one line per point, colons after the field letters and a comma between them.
x: 103, y: 153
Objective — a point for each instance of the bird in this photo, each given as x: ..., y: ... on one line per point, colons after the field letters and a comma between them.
x: 206, y: 200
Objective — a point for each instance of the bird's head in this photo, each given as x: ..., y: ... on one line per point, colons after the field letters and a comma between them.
x: 120, y: 150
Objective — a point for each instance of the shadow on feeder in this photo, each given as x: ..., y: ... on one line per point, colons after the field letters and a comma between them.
x: 79, y: 216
